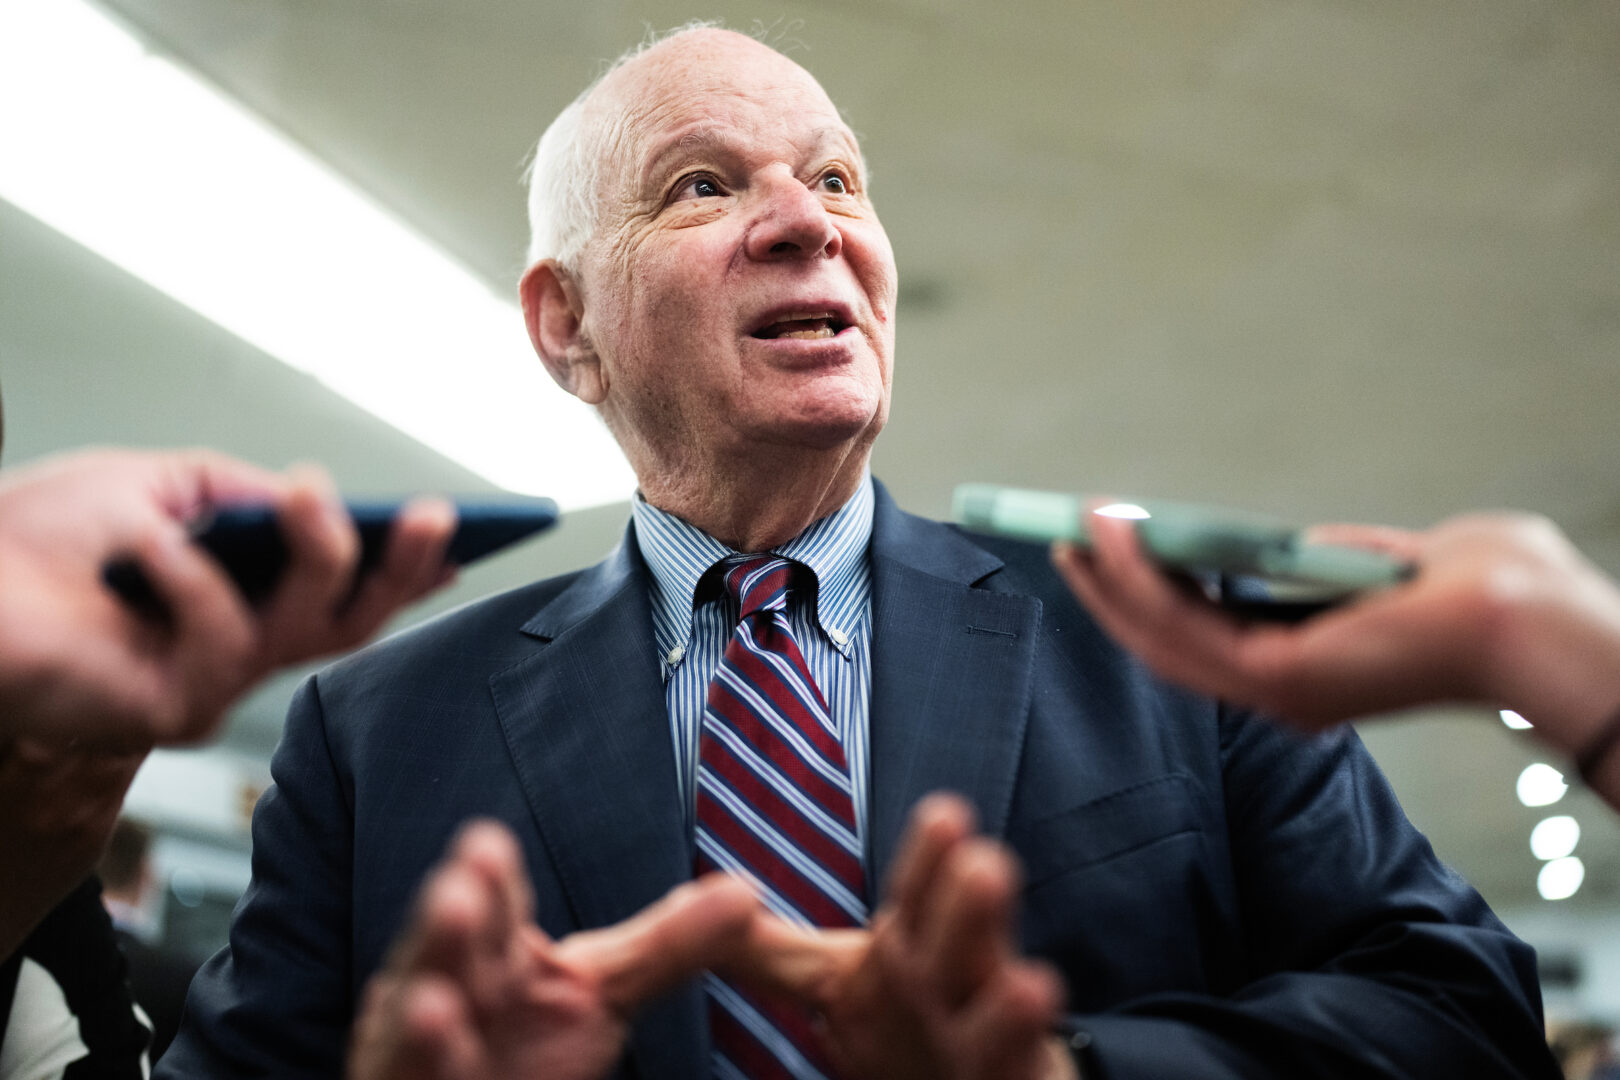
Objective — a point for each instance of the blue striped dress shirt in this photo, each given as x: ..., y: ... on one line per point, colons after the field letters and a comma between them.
x: 834, y: 633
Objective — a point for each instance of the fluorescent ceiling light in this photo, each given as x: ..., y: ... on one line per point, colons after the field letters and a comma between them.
x: 1129, y: 511
x: 1541, y: 785
x: 1555, y: 837
x: 1560, y: 878
x: 1513, y: 720
x: 162, y: 175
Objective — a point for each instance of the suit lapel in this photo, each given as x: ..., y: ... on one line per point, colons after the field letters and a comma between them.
x: 951, y: 676
x: 588, y: 730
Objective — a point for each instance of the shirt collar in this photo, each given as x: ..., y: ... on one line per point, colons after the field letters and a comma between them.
x: 834, y: 547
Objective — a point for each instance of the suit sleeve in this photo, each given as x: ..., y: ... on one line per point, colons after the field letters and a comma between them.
x: 1368, y: 957
x: 277, y: 1000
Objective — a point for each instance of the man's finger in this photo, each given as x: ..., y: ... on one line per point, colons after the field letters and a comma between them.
x: 1399, y: 543
x: 489, y: 850
x: 1186, y: 639
x: 197, y: 479
x: 779, y: 957
x: 696, y: 926
x: 969, y: 933
x: 414, y: 1028
x: 450, y: 912
x: 1006, y: 1029
x: 439, y: 1031
x: 213, y: 634
x: 1136, y: 581
x: 322, y: 550
x: 939, y: 822
x: 412, y: 565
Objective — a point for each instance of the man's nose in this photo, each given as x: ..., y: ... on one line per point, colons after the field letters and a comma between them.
x: 792, y: 223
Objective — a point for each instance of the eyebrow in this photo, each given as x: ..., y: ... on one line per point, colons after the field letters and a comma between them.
x: 704, y: 139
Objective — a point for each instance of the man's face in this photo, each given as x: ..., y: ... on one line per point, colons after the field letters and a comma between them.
x: 739, y: 290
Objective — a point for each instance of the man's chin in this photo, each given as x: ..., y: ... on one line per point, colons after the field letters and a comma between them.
x: 826, y: 428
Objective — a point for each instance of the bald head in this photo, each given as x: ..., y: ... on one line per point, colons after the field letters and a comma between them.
x: 703, y: 59
x: 585, y: 150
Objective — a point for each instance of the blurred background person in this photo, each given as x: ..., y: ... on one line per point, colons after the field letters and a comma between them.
x: 1585, y: 1050
x: 158, y: 974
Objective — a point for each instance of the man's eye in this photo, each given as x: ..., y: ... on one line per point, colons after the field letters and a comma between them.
x: 834, y: 183
x: 698, y: 187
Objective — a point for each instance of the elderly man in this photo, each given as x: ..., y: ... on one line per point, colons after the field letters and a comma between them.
x: 1213, y: 897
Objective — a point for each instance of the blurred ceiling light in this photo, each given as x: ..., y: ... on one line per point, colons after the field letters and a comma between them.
x: 1560, y: 878
x: 1124, y: 510
x: 160, y: 174
x: 1555, y: 837
x: 1514, y: 720
x: 1541, y: 785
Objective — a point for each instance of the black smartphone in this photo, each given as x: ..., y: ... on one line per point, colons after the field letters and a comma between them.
x: 247, y: 542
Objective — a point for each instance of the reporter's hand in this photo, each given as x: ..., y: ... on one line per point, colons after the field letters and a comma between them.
x: 1503, y: 611
x: 475, y: 990
x: 77, y: 664
x: 935, y: 989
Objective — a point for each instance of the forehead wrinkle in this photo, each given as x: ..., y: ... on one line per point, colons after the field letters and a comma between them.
x: 611, y: 136
x: 704, y: 139
x: 667, y: 97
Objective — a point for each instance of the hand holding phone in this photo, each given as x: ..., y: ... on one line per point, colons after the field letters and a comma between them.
x: 1267, y: 566
x: 246, y: 541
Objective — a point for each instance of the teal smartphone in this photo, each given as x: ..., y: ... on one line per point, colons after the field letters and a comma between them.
x: 1263, y: 564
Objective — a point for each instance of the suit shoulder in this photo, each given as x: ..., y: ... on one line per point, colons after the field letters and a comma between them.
x: 489, y: 629
x: 1025, y: 567
x: 1021, y: 556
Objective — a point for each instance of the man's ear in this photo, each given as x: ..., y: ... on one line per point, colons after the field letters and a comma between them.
x: 555, y: 312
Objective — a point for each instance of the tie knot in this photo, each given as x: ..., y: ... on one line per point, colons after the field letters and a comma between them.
x: 758, y: 583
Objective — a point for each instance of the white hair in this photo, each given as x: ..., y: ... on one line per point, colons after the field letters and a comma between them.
x: 565, y: 171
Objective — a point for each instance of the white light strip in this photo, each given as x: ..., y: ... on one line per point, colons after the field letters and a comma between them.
x: 153, y: 170
x: 1513, y: 720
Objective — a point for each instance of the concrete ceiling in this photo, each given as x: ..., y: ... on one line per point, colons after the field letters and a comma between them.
x: 1326, y: 259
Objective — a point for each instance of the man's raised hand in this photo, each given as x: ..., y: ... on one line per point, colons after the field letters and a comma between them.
x: 474, y: 990
x: 935, y: 988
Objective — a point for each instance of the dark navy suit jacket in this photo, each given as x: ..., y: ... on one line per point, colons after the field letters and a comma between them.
x: 1224, y: 899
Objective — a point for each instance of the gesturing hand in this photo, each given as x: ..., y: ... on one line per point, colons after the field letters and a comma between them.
x: 474, y: 990
x: 935, y: 988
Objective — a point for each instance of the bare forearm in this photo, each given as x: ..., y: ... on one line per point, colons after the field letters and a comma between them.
x: 1556, y: 660
x: 57, y: 809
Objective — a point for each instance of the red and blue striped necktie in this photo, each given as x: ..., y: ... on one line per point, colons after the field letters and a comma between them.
x: 774, y: 805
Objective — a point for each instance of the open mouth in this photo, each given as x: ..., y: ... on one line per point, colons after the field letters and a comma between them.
x: 805, y: 326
